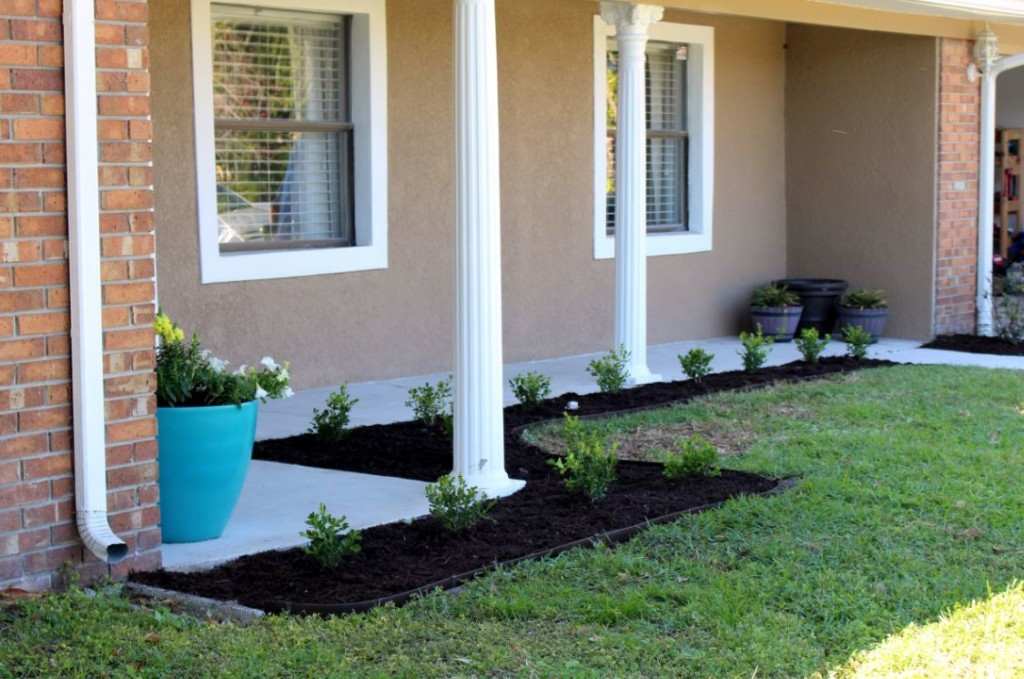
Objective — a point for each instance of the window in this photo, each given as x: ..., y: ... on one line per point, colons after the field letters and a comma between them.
x: 680, y: 96
x: 290, y: 137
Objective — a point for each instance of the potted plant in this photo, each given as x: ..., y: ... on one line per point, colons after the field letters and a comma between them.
x: 863, y: 308
x: 776, y: 309
x: 206, y: 419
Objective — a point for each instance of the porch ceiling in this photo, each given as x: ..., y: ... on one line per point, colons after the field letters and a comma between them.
x: 943, y: 18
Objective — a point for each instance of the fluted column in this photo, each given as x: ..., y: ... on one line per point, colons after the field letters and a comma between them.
x: 479, y: 417
x: 631, y: 22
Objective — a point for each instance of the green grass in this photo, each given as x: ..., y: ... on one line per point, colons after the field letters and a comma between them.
x: 899, y: 553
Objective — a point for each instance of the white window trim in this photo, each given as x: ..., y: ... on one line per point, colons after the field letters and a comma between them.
x: 700, y: 95
x: 369, y: 116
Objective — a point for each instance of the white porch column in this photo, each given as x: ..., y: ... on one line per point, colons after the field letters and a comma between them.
x: 479, y: 418
x: 631, y: 22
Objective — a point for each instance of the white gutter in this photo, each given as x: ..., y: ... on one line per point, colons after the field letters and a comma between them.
x: 86, y: 287
x: 991, y: 68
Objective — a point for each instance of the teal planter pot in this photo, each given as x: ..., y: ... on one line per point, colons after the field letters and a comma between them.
x: 204, y: 456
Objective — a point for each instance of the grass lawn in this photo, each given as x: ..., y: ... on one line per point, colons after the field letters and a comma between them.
x: 898, y: 554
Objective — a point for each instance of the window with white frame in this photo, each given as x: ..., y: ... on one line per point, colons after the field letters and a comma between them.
x: 680, y: 105
x: 290, y: 137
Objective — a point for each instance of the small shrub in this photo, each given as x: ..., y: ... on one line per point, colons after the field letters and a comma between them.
x: 774, y: 295
x: 857, y: 341
x: 458, y: 505
x: 330, y: 424
x: 610, y: 370
x: 530, y: 388
x: 696, y: 364
x: 865, y: 299
x: 755, y: 349
x: 330, y: 539
x: 1008, y: 318
x: 429, y: 402
x: 810, y: 345
x: 696, y: 456
x: 589, y: 463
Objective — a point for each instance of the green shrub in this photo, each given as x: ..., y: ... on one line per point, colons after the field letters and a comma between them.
x: 810, y: 345
x: 530, y: 388
x: 865, y: 299
x: 755, y: 349
x: 457, y: 505
x: 610, y: 370
x: 330, y: 539
x: 430, y: 403
x: 857, y: 341
x: 774, y: 295
x: 696, y: 364
x: 588, y: 466
x: 1008, y: 318
x: 330, y: 423
x: 695, y: 456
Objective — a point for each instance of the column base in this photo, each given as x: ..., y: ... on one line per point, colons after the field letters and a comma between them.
x: 496, y: 486
x: 646, y: 377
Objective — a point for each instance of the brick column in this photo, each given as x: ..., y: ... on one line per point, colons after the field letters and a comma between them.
x: 37, y: 529
x: 957, y: 181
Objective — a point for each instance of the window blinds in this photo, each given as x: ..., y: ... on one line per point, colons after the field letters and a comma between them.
x: 283, y: 138
x: 665, y: 76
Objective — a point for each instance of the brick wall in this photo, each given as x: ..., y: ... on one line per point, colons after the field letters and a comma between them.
x: 957, y: 227
x: 37, y: 528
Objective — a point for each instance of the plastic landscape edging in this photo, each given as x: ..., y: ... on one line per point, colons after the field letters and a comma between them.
x: 610, y: 538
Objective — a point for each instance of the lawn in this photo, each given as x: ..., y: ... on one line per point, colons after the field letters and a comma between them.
x: 899, y: 553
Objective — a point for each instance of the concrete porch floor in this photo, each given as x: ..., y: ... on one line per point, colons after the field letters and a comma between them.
x: 277, y: 498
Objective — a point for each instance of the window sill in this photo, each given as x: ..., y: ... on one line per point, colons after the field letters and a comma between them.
x: 659, y: 244
x: 258, y: 266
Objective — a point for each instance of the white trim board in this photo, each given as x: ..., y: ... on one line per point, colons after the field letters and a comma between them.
x: 369, y: 116
x: 700, y: 96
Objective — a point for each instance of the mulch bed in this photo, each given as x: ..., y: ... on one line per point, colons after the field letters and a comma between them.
x: 399, y: 558
x: 976, y: 344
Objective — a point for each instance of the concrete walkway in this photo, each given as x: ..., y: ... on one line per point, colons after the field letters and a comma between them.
x: 277, y: 498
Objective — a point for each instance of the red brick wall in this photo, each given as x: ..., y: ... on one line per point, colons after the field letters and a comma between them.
x: 957, y: 227
x: 37, y: 527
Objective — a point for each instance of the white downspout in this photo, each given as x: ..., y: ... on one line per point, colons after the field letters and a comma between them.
x: 86, y: 287
x: 987, y: 54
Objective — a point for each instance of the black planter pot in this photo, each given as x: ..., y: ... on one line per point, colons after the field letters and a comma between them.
x: 819, y: 297
x: 871, y: 320
x: 777, y: 322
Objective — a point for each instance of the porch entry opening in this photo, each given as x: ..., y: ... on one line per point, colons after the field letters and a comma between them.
x: 283, y: 132
x: 667, y: 136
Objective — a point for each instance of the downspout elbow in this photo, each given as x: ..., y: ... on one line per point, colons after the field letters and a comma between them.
x: 94, y: 528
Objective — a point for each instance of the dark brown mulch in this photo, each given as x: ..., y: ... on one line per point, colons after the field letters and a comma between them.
x: 400, y: 557
x: 975, y: 344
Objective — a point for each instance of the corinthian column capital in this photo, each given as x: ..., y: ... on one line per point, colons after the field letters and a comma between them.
x: 628, y: 17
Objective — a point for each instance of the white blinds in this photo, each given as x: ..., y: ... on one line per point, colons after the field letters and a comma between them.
x: 283, y: 136
x: 666, y: 136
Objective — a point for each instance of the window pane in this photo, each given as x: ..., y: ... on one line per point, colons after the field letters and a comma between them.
x: 282, y: 142
x: 282, y: 187
x: 667, y: 164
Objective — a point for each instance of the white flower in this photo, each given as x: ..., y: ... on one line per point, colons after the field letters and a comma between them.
x: 206, y: 354
x: 218, y: 364
x: 261, y: 393
x: 287, y: 393
x: 241, y: 369
x: 269, y: 363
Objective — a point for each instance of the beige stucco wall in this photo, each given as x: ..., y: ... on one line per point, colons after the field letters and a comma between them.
x: 557, y: 299
x: 861, y: 154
